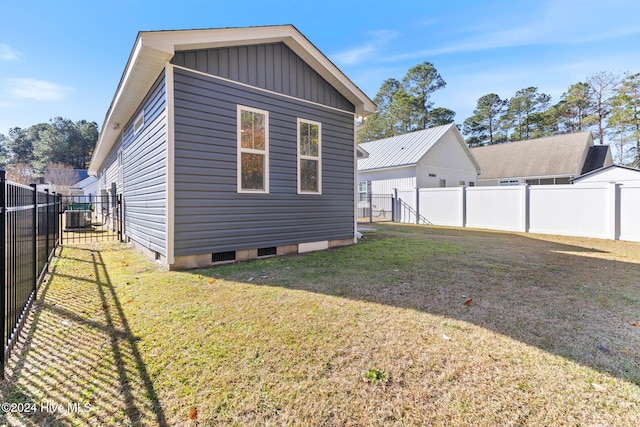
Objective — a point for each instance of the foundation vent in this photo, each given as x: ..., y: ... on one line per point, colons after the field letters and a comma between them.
x: 223, y: 256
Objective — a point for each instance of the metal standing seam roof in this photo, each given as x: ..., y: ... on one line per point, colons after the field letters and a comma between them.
x: 402, y: 150
x: 559, y: 155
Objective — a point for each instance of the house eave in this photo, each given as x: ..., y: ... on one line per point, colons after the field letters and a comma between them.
x: 153, y: 49
x: 409, y: 165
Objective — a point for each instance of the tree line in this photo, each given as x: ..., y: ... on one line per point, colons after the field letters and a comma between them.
x: 605, y: 104
x: 31, y: 154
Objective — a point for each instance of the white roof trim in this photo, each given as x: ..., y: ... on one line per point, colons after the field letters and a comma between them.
x: 153, y: 49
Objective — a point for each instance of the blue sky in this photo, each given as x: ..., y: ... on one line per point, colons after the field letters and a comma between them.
x: 65, y: 58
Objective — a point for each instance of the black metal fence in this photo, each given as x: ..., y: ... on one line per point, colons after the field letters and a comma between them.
x: 376, y: 208
x: 30, y: 235
x: 91, y: 218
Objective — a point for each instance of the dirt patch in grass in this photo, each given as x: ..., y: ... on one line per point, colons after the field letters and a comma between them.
x: 413, y: 326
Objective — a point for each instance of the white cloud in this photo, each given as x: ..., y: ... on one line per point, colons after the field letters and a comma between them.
x: 359, y: 54
x: 555, y: 22
x: 8, y: 53
x: 38, y: 90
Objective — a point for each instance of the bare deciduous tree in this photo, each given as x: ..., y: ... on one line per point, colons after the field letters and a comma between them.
x: 61, y: 177
x: 22, y: 173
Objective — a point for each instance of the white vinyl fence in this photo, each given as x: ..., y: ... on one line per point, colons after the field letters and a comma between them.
x: 602, y: 210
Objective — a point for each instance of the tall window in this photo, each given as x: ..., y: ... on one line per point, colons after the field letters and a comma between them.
x: 309, y: 157
x: 253, y: 150
x: 362, y: 191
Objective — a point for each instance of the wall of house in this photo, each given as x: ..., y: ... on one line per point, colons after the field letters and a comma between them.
x: 210, y: 215
x: 272, y: 66
x: 448, y: 161
x: 387, y: 180
x: 144, y: 173
x: 614, y: 174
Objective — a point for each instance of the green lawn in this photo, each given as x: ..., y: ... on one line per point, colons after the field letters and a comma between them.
x: 413, y: 326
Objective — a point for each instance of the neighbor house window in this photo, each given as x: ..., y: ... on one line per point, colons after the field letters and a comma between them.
x: 253, y: 150
x: 362, y: 191
x: 309, y: 157
x: 443, y: 183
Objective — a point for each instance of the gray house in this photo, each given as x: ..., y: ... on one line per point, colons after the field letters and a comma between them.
x: 543, y: 161
x: 231, y: 144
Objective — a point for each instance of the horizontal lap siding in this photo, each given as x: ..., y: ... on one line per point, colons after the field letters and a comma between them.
x: 145, y: 176
x: 274, y: 67
x: 210, y: 215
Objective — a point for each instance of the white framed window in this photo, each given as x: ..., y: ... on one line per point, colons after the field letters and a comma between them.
x: 138, y: 123
x: 443, y: 183
x: 362, y: 191
x: 508, y: 182
x: 309, y: 157
x: 253, y: 150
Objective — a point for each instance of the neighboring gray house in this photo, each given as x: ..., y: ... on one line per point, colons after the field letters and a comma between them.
x: 230, y: 144
x: 542, y: 161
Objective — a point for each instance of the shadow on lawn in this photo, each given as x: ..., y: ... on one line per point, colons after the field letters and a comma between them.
x: 80, y: 362
x: 562, y: 298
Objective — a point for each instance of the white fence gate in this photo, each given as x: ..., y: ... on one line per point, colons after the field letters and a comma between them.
x: 608, y: 211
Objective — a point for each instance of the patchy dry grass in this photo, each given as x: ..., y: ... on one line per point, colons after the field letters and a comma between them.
x: 414, y: 326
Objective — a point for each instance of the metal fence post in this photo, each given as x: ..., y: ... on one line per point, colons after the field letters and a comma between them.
x: 3, y: 277
x: 35, y: 238
x: 120, y: 215
x: 59, y: 223
x: 46, y: 230
x: 394, y: 208
x: 370, y: 207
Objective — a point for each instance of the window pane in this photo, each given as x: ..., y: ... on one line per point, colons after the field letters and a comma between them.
x: 308, y: 175
x: 252, y: 171
x: 308, y: 139
x: 252, y: 129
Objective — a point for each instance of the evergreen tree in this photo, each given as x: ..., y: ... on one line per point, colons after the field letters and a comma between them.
x: 483, y: 126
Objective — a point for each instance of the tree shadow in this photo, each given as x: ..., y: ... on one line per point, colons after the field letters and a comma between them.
x: 570, y: 300
x: 79, y: 361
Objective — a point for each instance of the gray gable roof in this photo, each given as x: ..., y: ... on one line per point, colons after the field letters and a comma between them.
x: 407, y: 149
x: 596, y: 158
x: 558, y: 155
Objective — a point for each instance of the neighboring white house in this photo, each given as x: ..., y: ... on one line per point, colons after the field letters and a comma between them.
x: 612, y: 173
x: 86, y: 187
x: 436, y: 157
x: 543, y: 161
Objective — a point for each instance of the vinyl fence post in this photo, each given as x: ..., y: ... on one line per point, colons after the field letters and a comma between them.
x: 3, y: 278
x: 34, y: 246
x: 417, y: 206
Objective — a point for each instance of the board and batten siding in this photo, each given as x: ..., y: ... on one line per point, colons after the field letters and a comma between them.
x: 145, y: 172
x: 210, y: 215
x: 274, y: 67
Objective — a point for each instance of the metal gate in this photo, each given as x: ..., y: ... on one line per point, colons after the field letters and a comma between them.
x: 91, y: 218
x: 376, y: 208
